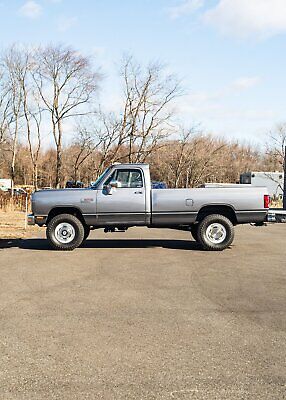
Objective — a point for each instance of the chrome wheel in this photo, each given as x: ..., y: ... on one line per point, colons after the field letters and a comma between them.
x: 65, y: 232
x: 216, y: 233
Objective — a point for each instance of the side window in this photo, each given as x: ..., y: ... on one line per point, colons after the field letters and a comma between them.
x: 129, y: 178
x: 111, y: 178
x: 135, y: 179
x: 123, y: 178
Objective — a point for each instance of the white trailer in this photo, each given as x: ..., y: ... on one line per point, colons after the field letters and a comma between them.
x: 274, y: 181
x: 5, y: 184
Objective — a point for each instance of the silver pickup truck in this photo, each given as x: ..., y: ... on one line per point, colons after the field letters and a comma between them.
x: 123, y: 197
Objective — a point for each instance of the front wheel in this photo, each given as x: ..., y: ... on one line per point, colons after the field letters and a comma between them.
x: 65, y: 232
x: 194, y: 231
x: 215, y: 232
x: 86, y: 233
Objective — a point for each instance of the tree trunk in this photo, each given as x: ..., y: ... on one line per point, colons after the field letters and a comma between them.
x: 35, y: 176
x: 59, y: 156
x: 12, y: 174
x: 59, y: 167
x: 75, y: 173
x: 13, y: 161
x: 130, y: 148
x: 284, y: 188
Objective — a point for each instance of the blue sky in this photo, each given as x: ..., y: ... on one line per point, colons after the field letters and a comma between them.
x: 230, y: 54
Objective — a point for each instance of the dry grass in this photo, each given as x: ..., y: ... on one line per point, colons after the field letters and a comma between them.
x: 12, y: 225
x: 276, y: 204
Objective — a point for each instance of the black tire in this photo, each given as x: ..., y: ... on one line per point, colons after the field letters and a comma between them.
x: 86, y: 233
x: 224, y: 228
x: 77, y: 228
x: 194, y: 231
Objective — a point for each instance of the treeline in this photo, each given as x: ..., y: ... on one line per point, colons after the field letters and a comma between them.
x: 48, y: 93
x: 179, y: 163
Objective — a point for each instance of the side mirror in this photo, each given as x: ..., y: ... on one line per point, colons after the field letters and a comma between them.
x: 115, y: 184
x: 107, y: 189
x: 111, y: 187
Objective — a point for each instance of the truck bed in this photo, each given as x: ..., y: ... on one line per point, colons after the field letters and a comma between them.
x: 182, y: 205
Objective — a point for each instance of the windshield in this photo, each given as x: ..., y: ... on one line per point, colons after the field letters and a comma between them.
x: 95, y: 184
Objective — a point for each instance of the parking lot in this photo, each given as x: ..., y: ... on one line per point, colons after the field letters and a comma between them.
x: 144, y: 315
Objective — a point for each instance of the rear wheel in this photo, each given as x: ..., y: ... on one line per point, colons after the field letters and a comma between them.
x: 65, y: 232
x: 215, y: 232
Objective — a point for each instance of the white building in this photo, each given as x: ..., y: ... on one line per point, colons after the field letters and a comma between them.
x: 274, y: 181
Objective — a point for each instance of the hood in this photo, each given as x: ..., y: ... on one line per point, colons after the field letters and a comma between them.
x: 44, y: 200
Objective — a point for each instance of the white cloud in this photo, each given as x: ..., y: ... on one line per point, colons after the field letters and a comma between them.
x: 218, y: 114
x: 231, y: 89
x: 220, y: 105
x: 66, y: 23
x: 31, y: 9
x: 247, y: 18
x: 186, y: 7
x: 245, y: 83
x: 99, y: 51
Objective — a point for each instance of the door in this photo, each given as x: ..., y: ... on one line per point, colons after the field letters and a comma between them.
x: 125, y: 204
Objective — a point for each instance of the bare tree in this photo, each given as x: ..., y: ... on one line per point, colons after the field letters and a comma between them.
x: 276, y: 146
x: 189, y: 160
x: 5, y: 106
x: 83, y: 147
x: 147, y: 111
x: 205, y: 159
x: 109, y: 141
x: 32, y: 111
x: 33, y: 119
x: 13, y: 68
x: 277, y: 152
x: 66, y: 84
x: 182, y: 154
x: 56, y: 83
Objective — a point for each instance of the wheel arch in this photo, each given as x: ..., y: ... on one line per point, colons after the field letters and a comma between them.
x: 65, y: 210
x: 222, y: 209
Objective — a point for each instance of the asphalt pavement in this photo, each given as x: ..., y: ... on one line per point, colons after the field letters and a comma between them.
x: 144, y: 315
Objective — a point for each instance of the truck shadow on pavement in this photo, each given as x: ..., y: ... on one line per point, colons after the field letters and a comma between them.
x: 42, y: 244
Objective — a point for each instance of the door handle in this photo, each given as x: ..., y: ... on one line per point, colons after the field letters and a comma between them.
x: 138, y: 192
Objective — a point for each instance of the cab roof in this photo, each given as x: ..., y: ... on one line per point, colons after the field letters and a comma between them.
x: 128, y: 165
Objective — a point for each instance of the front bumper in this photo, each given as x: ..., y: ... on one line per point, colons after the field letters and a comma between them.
x: 31, y: 219
x: 37, y: 219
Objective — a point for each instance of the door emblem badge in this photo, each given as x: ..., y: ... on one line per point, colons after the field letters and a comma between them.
x: 87, y: 200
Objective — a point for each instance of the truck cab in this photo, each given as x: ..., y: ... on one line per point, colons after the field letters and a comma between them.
x: 123, y: 195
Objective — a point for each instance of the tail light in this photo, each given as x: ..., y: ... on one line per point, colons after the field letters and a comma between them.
x: 266, y: 201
